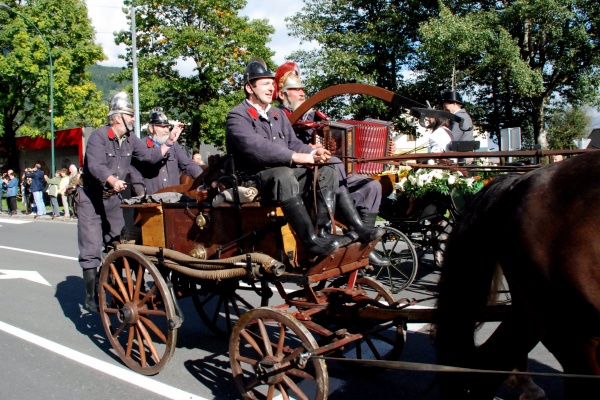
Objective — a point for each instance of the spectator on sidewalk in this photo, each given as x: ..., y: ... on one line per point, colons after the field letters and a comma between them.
x: 12, y: 189
x: 37, y: 188
x: 53, y: 193
x: 74, y: 181
x: 62, y: 190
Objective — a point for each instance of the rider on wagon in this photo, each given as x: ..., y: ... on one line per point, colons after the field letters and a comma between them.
x: 364, y: 191
x: 262, y: 143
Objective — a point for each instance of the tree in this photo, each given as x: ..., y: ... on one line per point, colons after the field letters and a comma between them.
x: 364, y: 41
x: 24, y: 70
x: 566, y: 125
x: 220, y: 43
x: 514, y: 59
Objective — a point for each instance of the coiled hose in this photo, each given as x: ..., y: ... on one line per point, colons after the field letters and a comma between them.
x: 209, y: 269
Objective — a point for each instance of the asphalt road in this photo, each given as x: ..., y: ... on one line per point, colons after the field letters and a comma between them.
x: 51, y: 347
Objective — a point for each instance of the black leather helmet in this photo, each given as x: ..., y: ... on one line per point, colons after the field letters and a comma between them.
x: 257, y: 68
x: 158, y: 117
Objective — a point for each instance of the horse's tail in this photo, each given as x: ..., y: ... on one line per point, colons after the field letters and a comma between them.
x: 470, y: 262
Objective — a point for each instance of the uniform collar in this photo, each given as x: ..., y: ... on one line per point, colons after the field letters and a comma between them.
x: 255, y: 111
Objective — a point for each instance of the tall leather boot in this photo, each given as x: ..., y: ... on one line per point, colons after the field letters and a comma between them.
x: 366, y: 233
x: 375, y: 258
x: 326, y: 204
x: 300, y: 221
x: 89, y: 279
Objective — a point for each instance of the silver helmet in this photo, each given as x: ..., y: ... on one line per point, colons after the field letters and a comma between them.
x: 120, y: 104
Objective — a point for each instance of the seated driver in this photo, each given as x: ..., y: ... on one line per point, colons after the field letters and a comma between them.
x: 262, y: 143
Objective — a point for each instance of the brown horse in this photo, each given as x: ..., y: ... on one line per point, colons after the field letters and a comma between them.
x: 543, y: 229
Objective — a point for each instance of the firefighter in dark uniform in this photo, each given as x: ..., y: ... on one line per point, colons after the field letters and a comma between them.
x: 262, y: 142
x: 364, y: 191
x: 107, y: 159
x: 166, y: 172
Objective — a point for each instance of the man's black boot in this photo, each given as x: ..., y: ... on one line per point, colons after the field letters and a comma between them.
x: 300, y: 221
x: 325, y: 212
x: 375, y: 258
x: 89, y: 279
x: 366, y: 233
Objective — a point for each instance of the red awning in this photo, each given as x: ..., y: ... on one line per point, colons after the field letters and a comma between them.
x: 62, y: 138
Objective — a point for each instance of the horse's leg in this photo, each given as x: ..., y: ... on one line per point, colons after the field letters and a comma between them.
x: 577, y: 355
x: 505, y: 349
x: 524, y: 383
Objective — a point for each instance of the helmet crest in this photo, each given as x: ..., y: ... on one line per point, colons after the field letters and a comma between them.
x: 287, y: 77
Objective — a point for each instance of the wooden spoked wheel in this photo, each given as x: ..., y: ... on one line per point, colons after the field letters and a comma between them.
x: 404, y: 263
x: 264, y: 352
x: 221, y: 303
x: 137, y: 311
x: 380, y: 341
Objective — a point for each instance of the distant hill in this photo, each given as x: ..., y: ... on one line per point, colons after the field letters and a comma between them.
x: 103, y: 77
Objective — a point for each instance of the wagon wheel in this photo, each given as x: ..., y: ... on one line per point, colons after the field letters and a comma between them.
x: 264, y: 351
x: 221, y: 303
x: 380, y: 341
x: 396, y: 247
x: 137, y: 311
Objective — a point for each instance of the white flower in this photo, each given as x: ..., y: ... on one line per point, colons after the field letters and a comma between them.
x: 437, y: 174
x: 451, y: 180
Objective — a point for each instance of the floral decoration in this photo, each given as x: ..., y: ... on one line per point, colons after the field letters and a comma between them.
x: 417, y: 183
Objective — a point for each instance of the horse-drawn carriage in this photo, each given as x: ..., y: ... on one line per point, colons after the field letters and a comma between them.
x: 215, y: 252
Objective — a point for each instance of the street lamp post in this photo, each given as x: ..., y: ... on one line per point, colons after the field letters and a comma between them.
x: 2, y: 5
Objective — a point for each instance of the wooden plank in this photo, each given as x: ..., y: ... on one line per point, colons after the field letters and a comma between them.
x: 153, y: 229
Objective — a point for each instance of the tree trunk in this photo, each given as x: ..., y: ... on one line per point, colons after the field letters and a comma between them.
x: 10, y: 145
x: 537, y: 117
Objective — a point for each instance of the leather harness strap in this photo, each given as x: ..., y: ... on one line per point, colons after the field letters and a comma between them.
x: 413, y: 366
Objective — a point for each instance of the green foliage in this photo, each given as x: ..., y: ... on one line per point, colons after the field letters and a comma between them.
x: 566, y: 125
x: 369, y: 42
x: 511, y: 60
x: 105, y: 80
x: 25, y: 73
x: 514, y: 59
x: 218, y: 41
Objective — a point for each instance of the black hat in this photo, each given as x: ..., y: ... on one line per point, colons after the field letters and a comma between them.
x: 452, y: 97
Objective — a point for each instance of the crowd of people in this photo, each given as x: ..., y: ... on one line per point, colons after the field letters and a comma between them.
x: 34, y: 185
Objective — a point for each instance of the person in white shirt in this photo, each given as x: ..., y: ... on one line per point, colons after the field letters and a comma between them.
x: 440, y: 138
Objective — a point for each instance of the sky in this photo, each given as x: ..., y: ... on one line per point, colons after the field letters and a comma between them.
x: 107, y: 17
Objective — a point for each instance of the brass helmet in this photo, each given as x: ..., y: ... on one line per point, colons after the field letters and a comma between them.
x: 255, y: 69
x: 120, y: 104
x: 287, y: 77
x: 158, y: 117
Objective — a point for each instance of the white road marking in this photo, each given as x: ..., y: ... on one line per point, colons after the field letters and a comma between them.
x: 13, y: 221
x: 33, y: 276
x: 39, y: 253
x: 125, y: 375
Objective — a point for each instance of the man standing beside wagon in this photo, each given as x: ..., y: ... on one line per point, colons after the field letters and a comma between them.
x: 108, y: 156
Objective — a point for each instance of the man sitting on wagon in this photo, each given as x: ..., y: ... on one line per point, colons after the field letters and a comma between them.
x: 262, y: 143
x: 365, y: 192
x: 166, y: 172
